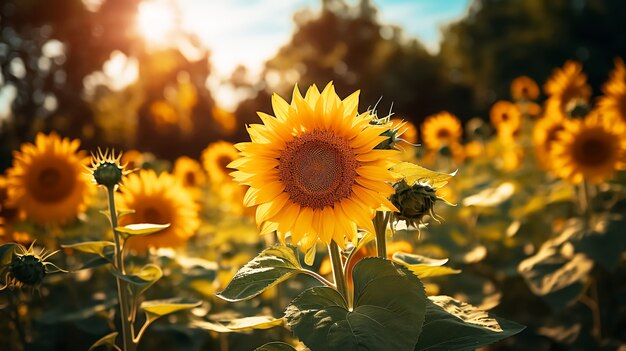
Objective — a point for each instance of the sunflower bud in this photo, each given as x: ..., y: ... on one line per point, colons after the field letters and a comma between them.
x: 106, y: 169
x: 413, y: 202
x: 108, y: 174
x: 392, y: 133
x: 578, y: 108
x: 27, y: 269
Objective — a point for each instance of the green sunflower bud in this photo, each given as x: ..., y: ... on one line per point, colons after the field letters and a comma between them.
x: 106, y: 169
x: 413, y: 202
x: 108, y: 174
x: 28, y: 269
x: 578, y: 108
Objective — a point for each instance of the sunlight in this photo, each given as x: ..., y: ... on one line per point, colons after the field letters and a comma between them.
x: 156, y: 21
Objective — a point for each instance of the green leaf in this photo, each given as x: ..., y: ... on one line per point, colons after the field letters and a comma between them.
x: 92, y: 247
x: 422, y: 266
x: 159, y: 308
x: 141, y: 229
x: 388, y: 313
x: 6, y: 253
x: 275, y: 346
x: 454, y: 325
x: 272, y: 266
x: 240, y: 324
x: 106, y: 340
x: 143, y: 280
x: 413, y: 173
x: 256, y: 322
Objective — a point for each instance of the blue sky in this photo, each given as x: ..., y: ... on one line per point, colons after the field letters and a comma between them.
x: 235, y: 28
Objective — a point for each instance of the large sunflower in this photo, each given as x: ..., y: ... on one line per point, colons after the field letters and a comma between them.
x: 591, y: 149
x: 313, y: 170
x: 441, y: 129
x: 545, y: 132
x: 567, y: 85
x: 189, y: 172
x: 524, y: 88
x: 158, y: 199
x: 216, y: 158
x: 47, y: 181
x: 505, y: 115
x: 613, y: 103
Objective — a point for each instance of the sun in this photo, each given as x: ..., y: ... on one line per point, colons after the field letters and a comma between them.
x: 157, y: 21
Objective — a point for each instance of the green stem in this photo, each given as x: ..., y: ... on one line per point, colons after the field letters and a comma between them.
x: 380, y: 225
x: 338, y: 274
x: 122, y: 294
x: 585, y: 204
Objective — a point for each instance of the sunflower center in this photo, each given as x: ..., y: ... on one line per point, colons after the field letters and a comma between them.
x: 592, y: 151
x: 51, y: 184
x: 443, y: 134
x: 223, y: 162
x: 318, y: 169
x: 190, y: 179
x: 525, y: 92
x: 154, y: 215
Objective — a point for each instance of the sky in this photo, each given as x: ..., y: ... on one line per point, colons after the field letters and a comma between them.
x: 235, y: 28
x: 249, y: 32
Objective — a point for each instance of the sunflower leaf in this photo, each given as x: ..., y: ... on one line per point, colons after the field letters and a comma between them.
x: 93, y: 247
x: 389, y: 310
x: 275, y: 346
x: 108, y: 339
x: 422, y: 266
x: 240, y: 324
x: 143, y: 280
x: 155, y: 309
x: 6, y: 253
x: 454, y: 325
x: 413, y: 173
x: 272, y: 266
x: 141, y: 229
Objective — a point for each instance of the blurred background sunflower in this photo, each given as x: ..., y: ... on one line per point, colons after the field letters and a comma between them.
x: 440, y: 130
x: 47, y: 181
x: 589, y: 150
x: 158, y: 199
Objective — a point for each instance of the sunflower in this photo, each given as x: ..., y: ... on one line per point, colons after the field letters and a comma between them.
x: 545, y: 132
x: 216, y: 158
x: 613, y: 103
x: 505, y: 114
x: 158, y: 199
x: 591, y: 149
x: 189, y: 172
x: 440, y: 130
x: 313, y: 170
x: 566, y: 88
x: 406, y: 130
x: 524, y: 88
x: 47, y: 180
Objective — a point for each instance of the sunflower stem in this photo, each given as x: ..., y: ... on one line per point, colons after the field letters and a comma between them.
x: 380, y: 225
x: 338, y: 273
x: 585, y: 203
x: 122, y: 294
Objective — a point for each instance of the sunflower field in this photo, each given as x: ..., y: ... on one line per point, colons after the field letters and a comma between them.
x: 360, y: 193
